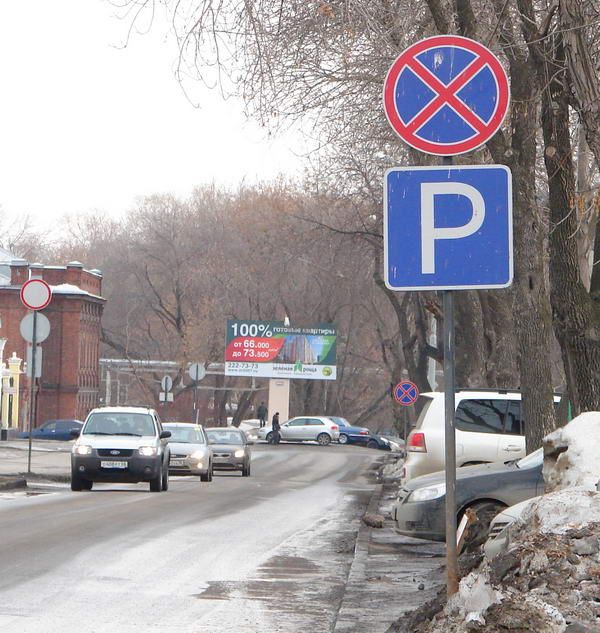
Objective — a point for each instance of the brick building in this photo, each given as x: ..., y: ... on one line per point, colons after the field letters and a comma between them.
x: 69, y: 385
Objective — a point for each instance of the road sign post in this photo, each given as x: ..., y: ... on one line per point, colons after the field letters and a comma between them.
x: 406, y: 393
x: 447, y: 95
x: 35, y: 294
x: 196, y: 372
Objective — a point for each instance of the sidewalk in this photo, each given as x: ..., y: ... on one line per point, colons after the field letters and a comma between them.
x: 50, y: 461
x: 390, y: 575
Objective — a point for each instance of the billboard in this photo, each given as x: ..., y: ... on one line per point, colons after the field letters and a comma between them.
x: 270, y: 349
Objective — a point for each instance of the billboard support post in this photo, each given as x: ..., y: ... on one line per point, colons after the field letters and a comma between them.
x: 279, y: 398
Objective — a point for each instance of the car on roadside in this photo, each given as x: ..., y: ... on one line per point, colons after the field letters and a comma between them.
x: 121, y: 445
x: 230, y: 449
x: 190, y: 451
x: 378, y: 441
x: 312, y: 428
x: 497, y: 539
x: 489, y: 428
x: 419, y: 510
x: 54, y: 430
x: 350, y: 434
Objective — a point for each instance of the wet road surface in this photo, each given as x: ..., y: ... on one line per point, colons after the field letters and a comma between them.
x: 268, y: 553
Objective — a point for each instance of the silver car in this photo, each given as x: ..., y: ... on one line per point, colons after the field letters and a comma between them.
x: 190, y: 452
x: 230, y: 448
x: 305, y: 429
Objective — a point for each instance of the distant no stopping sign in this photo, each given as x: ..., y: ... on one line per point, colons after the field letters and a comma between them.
x: 446, y: 95
x: 36, y: 294
x: 406, y: 393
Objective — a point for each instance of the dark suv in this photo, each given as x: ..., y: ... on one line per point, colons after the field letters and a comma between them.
x: 121, y: 444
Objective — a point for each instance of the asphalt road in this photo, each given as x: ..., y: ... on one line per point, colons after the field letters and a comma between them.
x: 269, y: 553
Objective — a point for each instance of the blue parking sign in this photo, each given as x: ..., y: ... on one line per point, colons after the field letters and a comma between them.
x: 448, y: 227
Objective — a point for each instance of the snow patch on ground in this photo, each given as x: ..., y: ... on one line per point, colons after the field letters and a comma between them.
x: 475, y: 595
x: 564, y: 510
x: 571, y: 454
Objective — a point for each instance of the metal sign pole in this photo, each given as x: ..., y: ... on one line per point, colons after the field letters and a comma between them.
x: 449, y: 406
x: 32, y: 391
x: 450, y: 436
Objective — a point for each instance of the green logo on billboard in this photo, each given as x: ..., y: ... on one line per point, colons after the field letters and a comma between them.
x: 298, y: 366
x: 326, y: 371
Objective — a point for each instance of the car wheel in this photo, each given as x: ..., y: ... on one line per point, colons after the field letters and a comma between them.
x: 478, y: 532
x: 269, y: 437
x: 206, y: 476
x: 87, y: 484
x: 372, y: 444
x: 156, y: 483
x: 165, y: 479
x: 343, y: 439
x: 323, y: 439
x: 210, y: 473
x: 76, y: 482
x: 246, y: 471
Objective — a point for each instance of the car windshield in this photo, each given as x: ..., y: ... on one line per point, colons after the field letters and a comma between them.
x: 185, y: 435
x: 533, y: 459
x: 224, y: 437
x: 136, y: 424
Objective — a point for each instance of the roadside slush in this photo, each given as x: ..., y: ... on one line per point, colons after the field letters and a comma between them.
x: 50, y: 461
x: 390, y: 574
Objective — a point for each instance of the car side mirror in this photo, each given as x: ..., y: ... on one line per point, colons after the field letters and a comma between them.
x: 75, y: 432
x: 164, y: 435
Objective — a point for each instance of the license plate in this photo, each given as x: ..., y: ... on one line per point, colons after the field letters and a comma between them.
x: 177, y: 462
x: 113, y: 464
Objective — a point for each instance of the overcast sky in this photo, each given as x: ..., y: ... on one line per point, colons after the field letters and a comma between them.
x: 84, y: 125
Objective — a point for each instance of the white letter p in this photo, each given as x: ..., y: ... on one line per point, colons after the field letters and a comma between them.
x: 429, y: 232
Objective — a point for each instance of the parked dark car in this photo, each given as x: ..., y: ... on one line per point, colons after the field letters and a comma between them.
x: 378, y: 441
x: 486, y: 488
x: 54, y: 430
x: 350, y: 434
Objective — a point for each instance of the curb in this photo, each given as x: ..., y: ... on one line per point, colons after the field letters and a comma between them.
x: 359, y: 563
x: 12, y: 483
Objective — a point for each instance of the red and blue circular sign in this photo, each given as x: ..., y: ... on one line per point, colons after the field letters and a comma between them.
x: 446, y: 95
x: 406, y: 393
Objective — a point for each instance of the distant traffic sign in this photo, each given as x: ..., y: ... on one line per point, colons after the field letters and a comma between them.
x: 42, y: 327
x: 36, y: 294
x: 406, y: 393
x: 196, y: 372
x: 448, y: 228
x: 166, y: 383
x: 446, y: 95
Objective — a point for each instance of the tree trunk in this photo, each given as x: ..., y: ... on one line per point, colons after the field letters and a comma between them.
x: 532, y: 314
x: 583, y: 76
x: 576, y: 316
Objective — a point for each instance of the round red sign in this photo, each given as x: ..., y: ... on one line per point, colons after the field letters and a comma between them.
x: 36, y: 294
x: 446, y: 95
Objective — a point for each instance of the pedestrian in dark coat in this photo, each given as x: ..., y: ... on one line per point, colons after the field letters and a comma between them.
x: 276, y: 429
x: 262, y: 412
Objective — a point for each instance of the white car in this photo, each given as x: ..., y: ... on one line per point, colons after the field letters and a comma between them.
x: 305, y: 429
x: 489, y: 428
x: 498, y: 535
x: 190, y: 452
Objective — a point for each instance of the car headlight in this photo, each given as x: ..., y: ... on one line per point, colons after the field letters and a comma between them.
x: 427, y: 493
x: 197, y: 455
x: 383, y: 440
x: 240, y: 452
x: 147, y: 451
x: 82, y: 449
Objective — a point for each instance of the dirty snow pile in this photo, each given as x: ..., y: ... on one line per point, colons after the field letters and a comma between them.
x: 393, y: 470
x: 548, y: 579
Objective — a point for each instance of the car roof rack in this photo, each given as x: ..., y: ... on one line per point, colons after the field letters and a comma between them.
x: 492, y: 390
